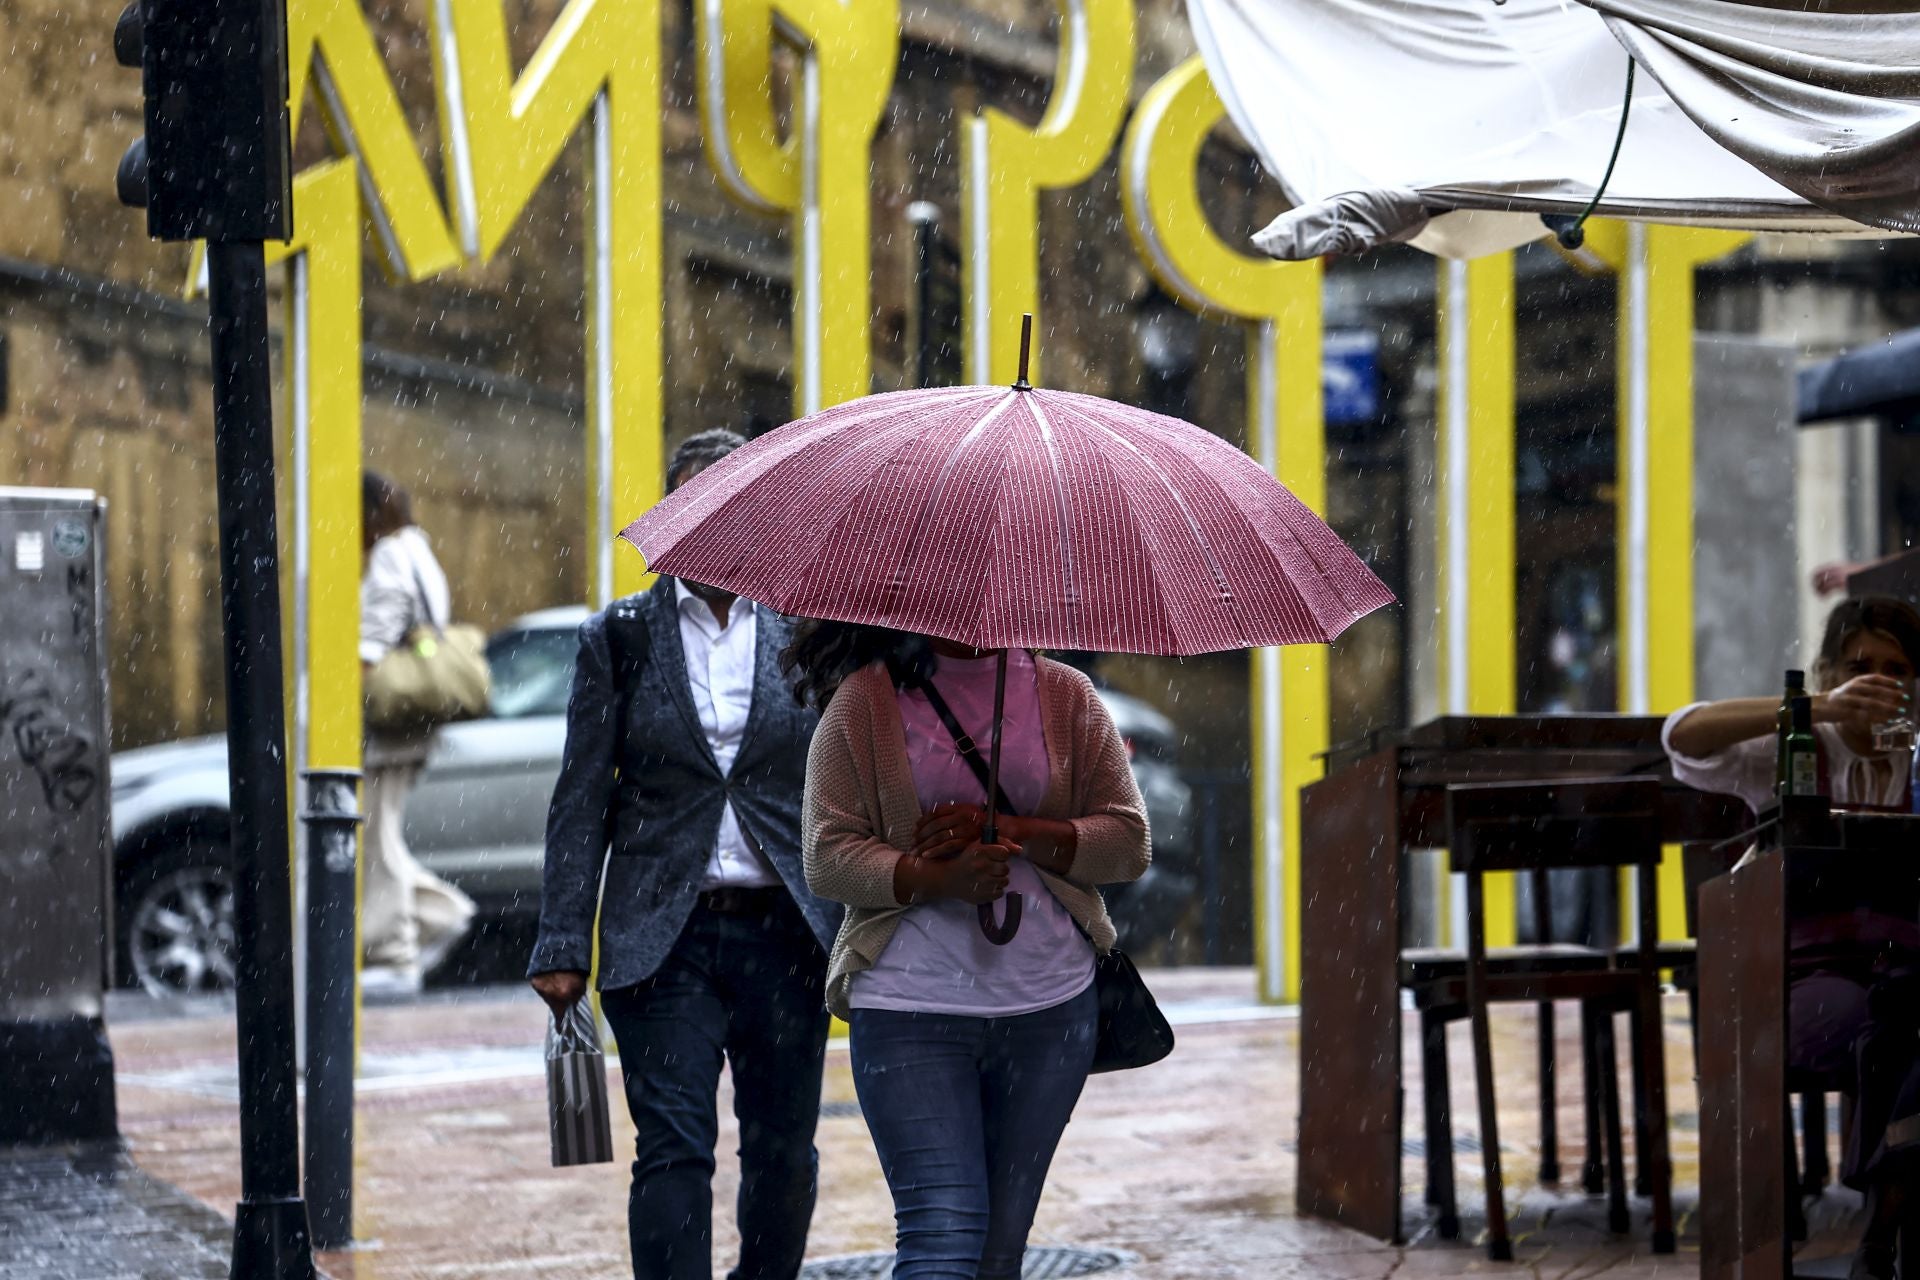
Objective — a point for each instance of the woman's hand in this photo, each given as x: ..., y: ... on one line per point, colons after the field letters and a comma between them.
x: 948, y: 829
x: 1863, y: 702
x: 976, y: 874
x: 561, y: 990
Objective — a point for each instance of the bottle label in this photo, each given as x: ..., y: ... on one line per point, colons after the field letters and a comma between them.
x: 1803, y: 776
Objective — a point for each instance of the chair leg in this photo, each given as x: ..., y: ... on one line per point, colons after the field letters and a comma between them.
x: 1439, y: 1122
x: 1813, y: 1127
x: 1593, y: 1172
x: 1642, y: 1181
x: 1549, y: 1100
x: 1796, y: 1214
x: 1654, y: 1162
x: 1499, y: 1246
x: 1607, y: 1060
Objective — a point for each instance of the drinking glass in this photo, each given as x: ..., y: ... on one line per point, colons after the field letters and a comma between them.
x: 1895, y: 735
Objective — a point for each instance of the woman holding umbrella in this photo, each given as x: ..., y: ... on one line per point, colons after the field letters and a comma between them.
x: 969, y: 1053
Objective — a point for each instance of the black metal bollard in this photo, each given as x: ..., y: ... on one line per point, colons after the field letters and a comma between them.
x: 332, y: 819
x: 270, y: 1235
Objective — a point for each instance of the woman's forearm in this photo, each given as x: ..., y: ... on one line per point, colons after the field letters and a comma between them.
x: 914, y: 881
x: 1045, y: 842
x: 1710, y: 729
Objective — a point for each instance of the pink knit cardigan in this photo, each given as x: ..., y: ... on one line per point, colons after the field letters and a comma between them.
x: 860, y: 810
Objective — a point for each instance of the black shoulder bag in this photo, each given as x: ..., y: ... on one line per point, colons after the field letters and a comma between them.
x: 1132, y: 1030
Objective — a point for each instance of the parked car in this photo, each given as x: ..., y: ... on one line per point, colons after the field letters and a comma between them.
x: 478, y: 817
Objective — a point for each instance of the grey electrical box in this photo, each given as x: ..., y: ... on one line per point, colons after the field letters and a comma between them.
x: 56, y: 870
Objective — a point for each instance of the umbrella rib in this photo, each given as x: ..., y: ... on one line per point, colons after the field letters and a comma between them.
x: 1214, y: 567
x: 1061, y: 510
x: 911, y: 552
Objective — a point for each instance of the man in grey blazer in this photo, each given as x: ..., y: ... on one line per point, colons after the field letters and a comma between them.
x: 686, y: 755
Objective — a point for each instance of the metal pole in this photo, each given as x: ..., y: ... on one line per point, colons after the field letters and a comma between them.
x: 333, y: 820
x: 925, y: 217
x: 1210, y: 903
x: 270, y: 1237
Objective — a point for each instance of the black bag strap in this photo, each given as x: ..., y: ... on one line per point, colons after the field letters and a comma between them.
x: 962, y: 740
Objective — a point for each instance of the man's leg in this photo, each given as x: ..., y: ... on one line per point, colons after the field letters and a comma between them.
x: 670, y: 1030
x: 918, y: 1076
x: 776, y: 1040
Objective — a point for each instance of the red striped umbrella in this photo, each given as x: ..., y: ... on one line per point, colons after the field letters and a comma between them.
x: 1011, y: 516
x: 1000, y: 516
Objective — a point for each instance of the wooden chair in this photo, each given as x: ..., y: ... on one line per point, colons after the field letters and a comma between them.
x: 1536, y: 826
x: 1436, y: 979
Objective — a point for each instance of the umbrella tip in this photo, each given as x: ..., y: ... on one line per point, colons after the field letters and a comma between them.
x: 1026, y: 347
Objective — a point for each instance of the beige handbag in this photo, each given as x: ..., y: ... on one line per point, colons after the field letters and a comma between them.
x: 435, y: 676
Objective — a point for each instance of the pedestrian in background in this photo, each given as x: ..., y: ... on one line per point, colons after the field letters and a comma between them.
x: 686, y: 757
x: 968, y: 1053
x: 410, y: 919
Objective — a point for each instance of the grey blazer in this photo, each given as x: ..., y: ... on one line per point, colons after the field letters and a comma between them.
x: 639, y: 778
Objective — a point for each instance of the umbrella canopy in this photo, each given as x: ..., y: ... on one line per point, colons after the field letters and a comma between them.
x: 1013, y: 517
x: 1456, y: 124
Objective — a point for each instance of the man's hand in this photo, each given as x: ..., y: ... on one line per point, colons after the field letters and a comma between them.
x: 1865, y: 701
x: 561, y: 990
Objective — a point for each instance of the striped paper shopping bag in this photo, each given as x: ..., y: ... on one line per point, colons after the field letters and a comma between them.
x: 577, y: 1090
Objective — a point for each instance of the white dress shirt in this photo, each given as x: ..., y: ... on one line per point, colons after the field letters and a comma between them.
x: 720, y: 665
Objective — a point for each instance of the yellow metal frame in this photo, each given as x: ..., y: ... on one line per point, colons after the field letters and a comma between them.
x: 599, y: 63
x: 1005, y: 165
x: 1280, y: 306
x: 821, y: 176
x: 1475, y: 473
x: 1656, y: 267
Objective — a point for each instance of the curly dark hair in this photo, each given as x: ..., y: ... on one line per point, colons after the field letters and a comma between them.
x: 1892, y: 618
x: 825, y: 653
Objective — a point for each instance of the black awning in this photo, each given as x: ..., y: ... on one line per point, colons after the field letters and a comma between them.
x: 1881, y: 377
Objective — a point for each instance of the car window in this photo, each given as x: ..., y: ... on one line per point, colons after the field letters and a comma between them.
x: 532, y: 671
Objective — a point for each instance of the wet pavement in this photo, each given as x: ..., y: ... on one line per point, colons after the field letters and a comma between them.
x: 88, y: 1213
x: 1183, y: 1171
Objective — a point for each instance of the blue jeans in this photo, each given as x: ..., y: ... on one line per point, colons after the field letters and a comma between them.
x: 750, y: 990
x: 965, y: 1114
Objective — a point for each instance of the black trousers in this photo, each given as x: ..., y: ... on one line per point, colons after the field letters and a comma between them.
x: 745, y: 987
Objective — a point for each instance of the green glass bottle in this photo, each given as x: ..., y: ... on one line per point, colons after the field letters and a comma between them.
x: 1796, y: 687
x: 1801, y: 776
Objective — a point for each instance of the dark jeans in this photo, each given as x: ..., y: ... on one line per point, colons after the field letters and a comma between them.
x: 749, y: 989
x: 965, y: 1114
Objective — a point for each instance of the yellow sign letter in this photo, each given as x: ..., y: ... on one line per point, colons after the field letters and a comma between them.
x: 848, y: 52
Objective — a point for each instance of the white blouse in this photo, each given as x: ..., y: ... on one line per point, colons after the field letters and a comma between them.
x: 1747, y: 769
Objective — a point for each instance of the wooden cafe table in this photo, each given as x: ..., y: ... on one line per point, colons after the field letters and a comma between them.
x: 1357, y: 825
x: 1809, y: 861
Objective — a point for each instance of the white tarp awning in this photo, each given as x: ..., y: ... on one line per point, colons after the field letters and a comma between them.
x: 1454, y: 124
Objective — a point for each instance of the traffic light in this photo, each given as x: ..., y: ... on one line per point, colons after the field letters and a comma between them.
x: 215, y: 162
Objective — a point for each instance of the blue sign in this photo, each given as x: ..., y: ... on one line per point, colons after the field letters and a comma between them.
x: 1350, y: 376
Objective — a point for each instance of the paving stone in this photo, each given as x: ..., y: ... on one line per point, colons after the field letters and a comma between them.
x: 87, y: 1213
x: 1183, y: 1171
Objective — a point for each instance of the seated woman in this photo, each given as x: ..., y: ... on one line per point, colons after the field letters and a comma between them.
x: 1854, y: 1007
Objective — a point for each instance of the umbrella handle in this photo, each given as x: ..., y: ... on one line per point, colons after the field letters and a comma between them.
x: 1001, y: 933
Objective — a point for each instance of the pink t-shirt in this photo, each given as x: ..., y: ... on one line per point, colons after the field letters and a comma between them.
x: 938, y: 960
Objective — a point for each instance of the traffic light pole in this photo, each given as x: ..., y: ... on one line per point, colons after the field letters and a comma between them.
x: 270, y: 1239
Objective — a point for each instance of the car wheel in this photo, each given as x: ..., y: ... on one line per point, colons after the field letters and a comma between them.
x: 176, y: 922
